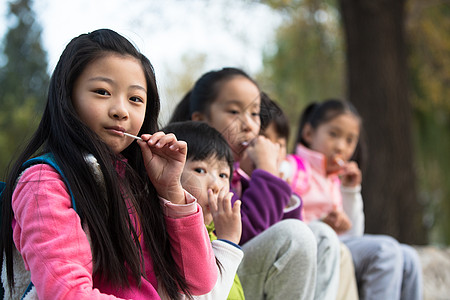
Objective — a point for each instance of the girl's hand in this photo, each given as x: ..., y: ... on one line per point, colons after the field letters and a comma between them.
x: 164, y: 158
x: 227, y: 218
x: 339, y: 221
x: 246, y: 164
x: 264, y: 154
x: 350, y: 174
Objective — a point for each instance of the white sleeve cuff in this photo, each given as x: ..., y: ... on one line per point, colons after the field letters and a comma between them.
x: 351, y: 189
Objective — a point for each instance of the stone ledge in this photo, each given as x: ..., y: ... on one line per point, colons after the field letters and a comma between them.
x: 436, y: 271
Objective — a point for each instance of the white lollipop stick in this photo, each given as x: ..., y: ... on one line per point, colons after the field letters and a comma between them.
x: 133, y: 136
x: 339, y: 161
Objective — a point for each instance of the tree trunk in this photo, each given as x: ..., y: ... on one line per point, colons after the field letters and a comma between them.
x: 377, y: 86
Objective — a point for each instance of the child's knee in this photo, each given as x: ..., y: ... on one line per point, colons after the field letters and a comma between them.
x: 323, y: 231
x: 299, y: 237
x: 327, y: 239
x: 388, y: 249
x: 411, y: 259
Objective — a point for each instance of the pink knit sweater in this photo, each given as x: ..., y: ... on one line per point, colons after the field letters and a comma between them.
x: 55, y: 248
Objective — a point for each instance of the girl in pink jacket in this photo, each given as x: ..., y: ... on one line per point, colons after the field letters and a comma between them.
x: 131, y: 232
x: 329, y: 182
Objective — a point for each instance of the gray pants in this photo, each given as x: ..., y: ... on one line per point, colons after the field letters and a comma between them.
x: 328, y: 259
x: 385, y: 269
x: 280, y: 263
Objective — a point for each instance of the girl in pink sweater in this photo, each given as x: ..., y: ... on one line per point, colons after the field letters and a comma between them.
x: 135, y: 233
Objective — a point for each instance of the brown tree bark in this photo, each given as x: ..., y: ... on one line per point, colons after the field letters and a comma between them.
x: 377, y: 85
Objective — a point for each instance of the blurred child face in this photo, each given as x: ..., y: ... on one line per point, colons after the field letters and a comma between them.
x: 110, y: 97
x: 271, y: 133
x: 201, y: 175
x: 336, y: 138
x: 235, y: 113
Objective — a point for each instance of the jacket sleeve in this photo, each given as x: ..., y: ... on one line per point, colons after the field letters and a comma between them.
x: 192, y: 251
x: 48, y: 234
x: 353, y: 207
x: 294, y: 208
x: 263, y: 203
x: 229, y: 257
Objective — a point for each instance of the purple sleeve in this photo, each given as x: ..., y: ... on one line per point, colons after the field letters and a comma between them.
x: 294, y: 210
x: 293, y: 214
x: 263, y: 200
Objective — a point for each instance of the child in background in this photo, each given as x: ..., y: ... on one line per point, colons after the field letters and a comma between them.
x: 135, y: 234
x: 328, y: 245
x: 207, y: 175
x: 280, y: 254
x: 330, y: 186
x: 275, y: 126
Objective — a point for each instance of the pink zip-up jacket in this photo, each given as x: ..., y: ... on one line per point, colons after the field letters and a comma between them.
x: 50, y: 238
x: 320, y: 192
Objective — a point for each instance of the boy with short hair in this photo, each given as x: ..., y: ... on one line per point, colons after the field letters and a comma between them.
x: 207, y: 176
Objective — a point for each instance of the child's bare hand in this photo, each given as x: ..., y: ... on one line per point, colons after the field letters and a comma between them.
x: 164, y: 159
x: 264, y: 154
x: 246, y: 164
x: 350, y: 174
x: 227, y: 218
x: 339, y: 221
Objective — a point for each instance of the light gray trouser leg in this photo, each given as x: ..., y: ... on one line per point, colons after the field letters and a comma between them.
x: 378, y: 261
x: 280, y: 263
x: 412, y: 284
x: 328, y: 259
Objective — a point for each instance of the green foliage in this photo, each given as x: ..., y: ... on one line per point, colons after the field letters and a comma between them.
x: 429, y: 61
x: 17, y: 123
x: 23, y: 80
x: 429, y: 36
x: 308, y: 63
x: 433, y: 167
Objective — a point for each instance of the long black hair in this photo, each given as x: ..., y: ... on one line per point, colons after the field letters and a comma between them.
x: 204, y: 93
x: 317, y: 113
x: 115, y: 251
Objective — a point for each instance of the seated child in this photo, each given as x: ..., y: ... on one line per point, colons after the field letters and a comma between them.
x: 206, y: 175
x: 97, y: 214
x: 330, y: 185
x: 275, y: 127
x: 279, y: 253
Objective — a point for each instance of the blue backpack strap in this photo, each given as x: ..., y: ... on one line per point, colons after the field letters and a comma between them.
x: 2, y: 187
x: 29, y: 287
x: 49, y: 159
